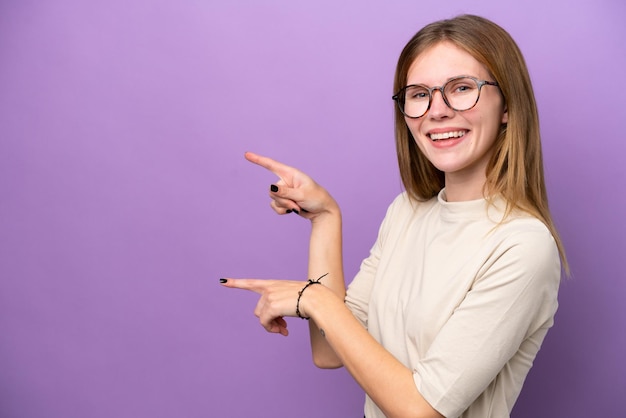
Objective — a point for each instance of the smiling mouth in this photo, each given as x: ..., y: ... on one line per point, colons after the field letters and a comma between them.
x: 446, y: 135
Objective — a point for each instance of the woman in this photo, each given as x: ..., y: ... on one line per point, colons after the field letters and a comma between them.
x: 449, y: 310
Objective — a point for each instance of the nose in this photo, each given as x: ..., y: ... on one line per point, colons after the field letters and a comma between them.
x: 438, y: 107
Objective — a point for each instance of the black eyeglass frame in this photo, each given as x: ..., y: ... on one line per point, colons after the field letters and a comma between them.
x: 479, y: 83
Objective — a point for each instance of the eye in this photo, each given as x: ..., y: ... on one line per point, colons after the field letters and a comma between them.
x: 461, y: 86
x: 416, y: 93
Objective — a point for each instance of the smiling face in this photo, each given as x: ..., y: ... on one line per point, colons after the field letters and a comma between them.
x: 458, y: 143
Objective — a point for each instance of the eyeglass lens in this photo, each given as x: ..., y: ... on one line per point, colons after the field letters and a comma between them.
x: 460, y: 94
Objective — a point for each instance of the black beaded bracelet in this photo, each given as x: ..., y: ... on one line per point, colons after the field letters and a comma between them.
x: 308, y: 283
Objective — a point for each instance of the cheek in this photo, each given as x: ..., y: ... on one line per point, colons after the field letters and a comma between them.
x: 414, y: 130
x: 420, y: 141
x: 488, y: 125
x: 414, y: 127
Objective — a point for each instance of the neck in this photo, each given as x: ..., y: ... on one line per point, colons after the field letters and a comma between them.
x: 461, y: 189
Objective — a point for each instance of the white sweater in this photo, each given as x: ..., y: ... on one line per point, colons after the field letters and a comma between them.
x: 461, y: 300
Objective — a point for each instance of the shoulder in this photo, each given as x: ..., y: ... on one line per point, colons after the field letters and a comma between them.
x: 525, y: 247
x: 404, y: 205
x: 401, y: 213
x: 519, y: 228
x: 525, y: 230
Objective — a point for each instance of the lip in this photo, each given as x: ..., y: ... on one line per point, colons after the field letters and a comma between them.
x: 447, y: 142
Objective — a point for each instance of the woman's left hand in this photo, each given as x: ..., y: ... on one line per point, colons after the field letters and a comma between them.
x: 278, y: 299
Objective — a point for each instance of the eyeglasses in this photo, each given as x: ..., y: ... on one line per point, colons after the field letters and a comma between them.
x: 459, y: 94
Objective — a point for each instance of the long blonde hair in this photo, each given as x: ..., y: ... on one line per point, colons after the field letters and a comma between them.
x: 515, y: 170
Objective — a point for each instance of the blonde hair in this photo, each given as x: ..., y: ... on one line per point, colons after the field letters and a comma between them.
x: 515, y: 170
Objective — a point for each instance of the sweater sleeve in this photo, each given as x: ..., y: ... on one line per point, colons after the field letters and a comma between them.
x: 499, y: 325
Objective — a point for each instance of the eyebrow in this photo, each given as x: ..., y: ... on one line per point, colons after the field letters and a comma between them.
x: 451, y: 78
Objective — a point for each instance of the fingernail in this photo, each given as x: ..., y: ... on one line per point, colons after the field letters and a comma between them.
x: 274, y: 188
x: 305, y: 211
x: 295, y: 211
x: 223, y: 280
x: 288, y: 211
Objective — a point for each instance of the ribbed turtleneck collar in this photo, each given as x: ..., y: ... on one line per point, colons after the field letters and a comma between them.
x: 470, y: 209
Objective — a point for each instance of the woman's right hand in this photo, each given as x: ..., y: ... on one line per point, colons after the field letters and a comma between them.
x: 295, y: 191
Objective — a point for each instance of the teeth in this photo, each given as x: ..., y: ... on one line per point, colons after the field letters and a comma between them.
x: 447, y: 135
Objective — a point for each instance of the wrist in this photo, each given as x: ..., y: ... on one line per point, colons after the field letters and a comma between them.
x: 308, y: 298
x: 314, y: 299
x: 308, y: 284
x: 329, y: 214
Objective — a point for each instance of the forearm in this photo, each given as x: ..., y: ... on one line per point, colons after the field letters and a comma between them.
x: 388, y: 382
x: 325, y: 252
x: 325, y: 256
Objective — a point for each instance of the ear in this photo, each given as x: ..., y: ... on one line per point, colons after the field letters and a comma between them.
x: 505, y: 116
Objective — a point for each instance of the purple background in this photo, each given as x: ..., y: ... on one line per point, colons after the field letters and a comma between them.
x: 124, y: 195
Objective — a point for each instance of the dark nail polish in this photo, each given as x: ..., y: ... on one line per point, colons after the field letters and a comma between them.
x: 295, y: 211
x: 223, y: 280
x: 288, y: 211
x: 274, y: 188
x: 304, y: 210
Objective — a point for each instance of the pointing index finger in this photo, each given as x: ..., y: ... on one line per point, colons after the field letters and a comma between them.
x: 254, y: 285
x: 278, y: 168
